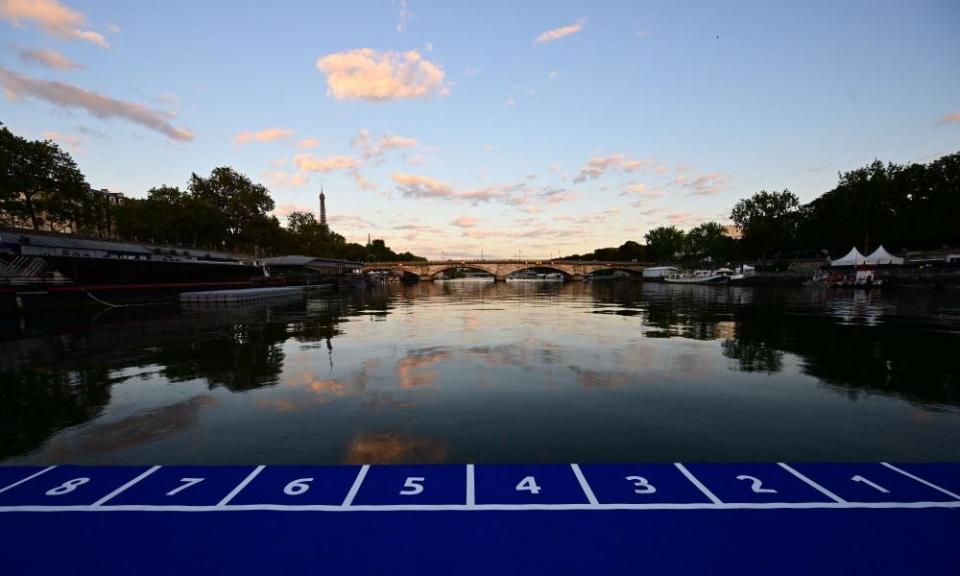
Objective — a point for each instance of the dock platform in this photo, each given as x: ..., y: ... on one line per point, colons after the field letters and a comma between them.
x: 777, y: 518
x: 242, y: 295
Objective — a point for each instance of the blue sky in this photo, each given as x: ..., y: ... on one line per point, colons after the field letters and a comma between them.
x: 457, y: 127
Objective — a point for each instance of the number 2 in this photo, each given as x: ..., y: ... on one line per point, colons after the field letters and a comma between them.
x: 528, y: 484
x: 187, y: 482
x: 641, y: 485
x: 413, y: 485
x: 756, y: 486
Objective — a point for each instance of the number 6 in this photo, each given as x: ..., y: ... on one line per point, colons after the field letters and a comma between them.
x: 297, y: 487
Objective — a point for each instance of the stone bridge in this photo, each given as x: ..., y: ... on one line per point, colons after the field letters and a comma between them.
x: 571, y: 269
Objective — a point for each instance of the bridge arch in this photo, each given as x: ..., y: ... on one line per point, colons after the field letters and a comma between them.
x: 632, y: 273
x: 435, y: 270
x: 567, y: 274
x: 402, y: 272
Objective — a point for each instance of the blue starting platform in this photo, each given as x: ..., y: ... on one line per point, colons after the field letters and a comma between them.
x: 869, y: 518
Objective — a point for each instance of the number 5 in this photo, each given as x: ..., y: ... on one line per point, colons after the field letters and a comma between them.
x: 413, y: 485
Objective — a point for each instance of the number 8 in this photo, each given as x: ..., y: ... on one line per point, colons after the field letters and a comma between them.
x: 67, y: 487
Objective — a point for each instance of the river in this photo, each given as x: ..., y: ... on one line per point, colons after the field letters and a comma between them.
x: 491, y: 373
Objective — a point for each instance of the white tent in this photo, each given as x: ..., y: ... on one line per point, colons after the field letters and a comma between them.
x: 881, y: 256
x: 853, y: 258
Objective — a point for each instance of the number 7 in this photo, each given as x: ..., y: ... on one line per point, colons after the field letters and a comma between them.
x: 187, y: 482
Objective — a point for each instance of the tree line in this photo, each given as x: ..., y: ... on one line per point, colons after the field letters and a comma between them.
x: 42, y: 188
x: 903, y: 207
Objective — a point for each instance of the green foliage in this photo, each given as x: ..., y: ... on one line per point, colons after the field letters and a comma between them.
x: 665, y: 243
x: 627, y: 252
x: 915, y: 206
x: 40, y: 185
x: 768, y: 221
x: 710, y: 240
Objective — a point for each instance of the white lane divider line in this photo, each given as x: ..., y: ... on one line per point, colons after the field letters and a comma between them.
x: 471, y: 486
x: 812, y: 484
x: 921, y: 480
x: 226, y: 499
x: 27, y: 479
x: 693, y: 479
x: 583, y: 484
x: 110, y: 496
x: 356, y: 485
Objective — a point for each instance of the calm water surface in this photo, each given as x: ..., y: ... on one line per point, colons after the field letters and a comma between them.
x: 491, y: 373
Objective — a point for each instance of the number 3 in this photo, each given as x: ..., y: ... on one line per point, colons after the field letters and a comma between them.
x: 756, y: 487
x: 641, y: 485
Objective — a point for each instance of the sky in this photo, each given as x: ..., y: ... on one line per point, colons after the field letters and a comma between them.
x: 461, y: 129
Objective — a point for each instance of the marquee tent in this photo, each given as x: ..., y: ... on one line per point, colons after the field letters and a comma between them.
x: 881, y: 256
x: 853, y: 258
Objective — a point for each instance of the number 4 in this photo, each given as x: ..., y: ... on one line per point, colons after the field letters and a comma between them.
x: 529, y: 484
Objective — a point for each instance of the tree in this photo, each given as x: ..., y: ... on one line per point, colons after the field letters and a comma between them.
x: 235, y: 203
x: 767, y: 220
x: 39, y: 183
x: 709, y: 240
x: 664, y: 243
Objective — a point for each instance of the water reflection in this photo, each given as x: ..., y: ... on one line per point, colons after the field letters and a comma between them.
x: 491, y: 372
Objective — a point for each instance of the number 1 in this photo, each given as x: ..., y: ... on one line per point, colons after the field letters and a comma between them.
x: 187, y: 482
x: 859, y: 478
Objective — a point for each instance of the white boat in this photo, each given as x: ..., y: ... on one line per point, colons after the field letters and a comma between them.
x: 657, y: 273
x: 721, y: 276
x: 537, y: 277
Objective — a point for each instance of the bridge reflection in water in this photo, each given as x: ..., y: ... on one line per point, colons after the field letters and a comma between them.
x: 500, y: 269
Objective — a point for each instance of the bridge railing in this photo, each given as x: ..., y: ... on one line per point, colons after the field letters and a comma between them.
x: 528, y: 261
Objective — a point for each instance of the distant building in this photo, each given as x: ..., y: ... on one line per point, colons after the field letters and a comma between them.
x: 114, y: 198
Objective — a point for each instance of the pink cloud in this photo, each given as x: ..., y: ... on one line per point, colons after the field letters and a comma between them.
x: 465, y: 222
x: 596, y: 166
x: 948, y: 118
x: 308, y: 143
x: 288, y: 179
x: 387, y: 142
x: 99, y: 105
x: 705, y: 184
x: 265, y: 135
x: 52, y: 17
x: 365, y: 74
x: 350, y: 221
x: 50, y: 59
x: 414, y: 186
x: 66, y: 139
x: 558, y: 33
x: 311, y: 163
x: 363, y: 183
x: 284, y: 210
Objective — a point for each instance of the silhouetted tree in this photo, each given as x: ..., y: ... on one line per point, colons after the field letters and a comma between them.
x: 768, y: 221
x: 664, y: 243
